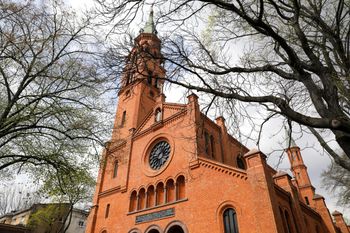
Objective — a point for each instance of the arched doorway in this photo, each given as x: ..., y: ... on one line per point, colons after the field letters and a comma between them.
x: 153, y: 231
x: 175, y: 229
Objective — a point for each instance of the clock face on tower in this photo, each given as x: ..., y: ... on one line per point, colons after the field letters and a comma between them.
x: 159, y: 155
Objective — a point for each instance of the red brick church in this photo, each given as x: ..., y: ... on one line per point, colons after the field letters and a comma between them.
x: 170, y: 169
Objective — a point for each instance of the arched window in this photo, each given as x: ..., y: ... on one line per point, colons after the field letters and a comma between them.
x: 230, y: 221
x: 158, y: 115
x: 240, y: 162
x: 160, y: 194
x: 207, y: 139
x: 175, y: 229
x: 153, y: 231
x: 133, y: 201
x: 142, y: 199
x: 170, y: 191
x: 123, y: 119
x: 180, y: 185
x: 115, y: 169
x: 150, y: 197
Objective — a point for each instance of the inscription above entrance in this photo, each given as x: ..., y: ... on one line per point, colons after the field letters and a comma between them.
x: 155, y: 215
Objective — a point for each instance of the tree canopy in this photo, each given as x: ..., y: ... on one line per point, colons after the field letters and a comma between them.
x: 290, y: 57
x: 51, y: 86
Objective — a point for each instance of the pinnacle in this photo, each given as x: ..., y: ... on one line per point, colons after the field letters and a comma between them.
x: 150, y: 27
x: 289, y: 139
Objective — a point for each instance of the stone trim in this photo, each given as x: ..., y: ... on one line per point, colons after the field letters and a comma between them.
x: 110, y: 191
x: 158, y: 206
x: 236, y: 172
x: 167, y: 121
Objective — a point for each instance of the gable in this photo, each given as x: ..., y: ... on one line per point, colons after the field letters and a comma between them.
x: 169, y: 110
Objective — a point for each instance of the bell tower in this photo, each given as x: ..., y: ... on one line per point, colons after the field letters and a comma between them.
x: 299, y: 170
x: 142, y: 81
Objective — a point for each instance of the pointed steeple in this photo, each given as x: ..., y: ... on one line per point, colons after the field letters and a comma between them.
x: 150, y: 27
x: 289, y: 139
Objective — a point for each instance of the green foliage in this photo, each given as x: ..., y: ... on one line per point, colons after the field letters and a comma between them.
x: 51, y: 88
x: 69, y: 187
x: 48, y: 217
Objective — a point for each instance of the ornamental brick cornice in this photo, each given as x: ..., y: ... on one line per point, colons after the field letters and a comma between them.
x: 223, y: 168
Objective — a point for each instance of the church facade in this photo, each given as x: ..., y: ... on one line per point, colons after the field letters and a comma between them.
x: 170, y: 169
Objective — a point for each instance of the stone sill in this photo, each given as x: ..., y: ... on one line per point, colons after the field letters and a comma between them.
x: 158, y: 206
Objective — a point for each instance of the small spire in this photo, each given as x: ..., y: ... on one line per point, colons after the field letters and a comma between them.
x: 289, y: 139
x: 150, y: 27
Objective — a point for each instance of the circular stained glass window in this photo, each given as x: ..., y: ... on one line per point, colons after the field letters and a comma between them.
x: 159, y: 155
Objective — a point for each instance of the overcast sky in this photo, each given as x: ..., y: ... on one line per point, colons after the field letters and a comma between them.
x: 315, y: 161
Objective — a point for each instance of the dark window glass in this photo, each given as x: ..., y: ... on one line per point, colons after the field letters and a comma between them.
x: 115, y: 169
x: 230, y: 221
x: 206, y: 138
x: 240, y: 163
x: 307, y: 201
x: 107, y: 211
x: 156, y: 82
x: 123, y: 119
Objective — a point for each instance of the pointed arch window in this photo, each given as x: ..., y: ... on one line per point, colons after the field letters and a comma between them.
x: 115, y: 169
x: 207, y: 139
x: 230, y: 221
x: 156, y: 82
x: 158, y: 115
x: 107, y: 210
x: 123, y: 119
x: 240, y: 162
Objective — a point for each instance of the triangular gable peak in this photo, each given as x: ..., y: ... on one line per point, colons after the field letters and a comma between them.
x: 161, y: 114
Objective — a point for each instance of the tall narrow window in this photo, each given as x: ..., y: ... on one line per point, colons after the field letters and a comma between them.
x: 107, y: 211
x: 307, y: 201
x: 133, y: 201
x: 212, y: 146
x: 230, y: 221
x: 158, y: 115
x: 156, y: 82
x: 240, y: 162
x: 115, y: 169
x: 123, y: 119
x: 206, y: 138
x: 180, y: 182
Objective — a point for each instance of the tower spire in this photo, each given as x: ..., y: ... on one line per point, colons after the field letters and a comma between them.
x: 289, y: 139
x: 150, y: 27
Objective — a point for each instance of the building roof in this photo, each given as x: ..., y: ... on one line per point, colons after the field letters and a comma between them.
x: 336, y: 213
x: 280, y: 173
